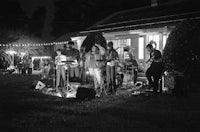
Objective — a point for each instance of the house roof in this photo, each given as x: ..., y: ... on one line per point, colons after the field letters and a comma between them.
x: 145, y: 17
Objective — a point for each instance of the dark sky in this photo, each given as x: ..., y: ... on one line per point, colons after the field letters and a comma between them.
x: 49, y: 19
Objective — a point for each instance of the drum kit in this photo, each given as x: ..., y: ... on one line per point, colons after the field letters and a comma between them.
x: 128, y: 73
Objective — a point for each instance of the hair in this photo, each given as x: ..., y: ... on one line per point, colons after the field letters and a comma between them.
x: 149, y: 46
x: 71, y: 43
x: 59, y: 50
x: 110, y: 44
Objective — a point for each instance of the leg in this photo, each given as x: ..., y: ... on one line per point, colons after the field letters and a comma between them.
x: 63, y: 73
x: 149, y: 75
x: 99, y: 81
x: 113, y: 79
x: 135, y: 76
x: 157, y: 72
x: 108, y: 78
x: 155, y: 83
x: 77, y: 72
x: 91, y: 72
x: 58, y: 72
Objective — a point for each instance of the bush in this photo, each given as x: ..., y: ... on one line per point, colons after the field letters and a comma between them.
x: 182, y: 50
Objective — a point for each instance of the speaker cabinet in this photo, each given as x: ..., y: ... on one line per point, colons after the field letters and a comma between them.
x: 85, y: 93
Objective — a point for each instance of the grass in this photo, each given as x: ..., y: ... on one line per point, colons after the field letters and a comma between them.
x: 23, y: 109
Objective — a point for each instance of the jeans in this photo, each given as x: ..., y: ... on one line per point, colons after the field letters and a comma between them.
x: 97, y: 78
x: 155, y: 72
x: 74, y: 72
x: 111, y: 79
x: 60, y: 71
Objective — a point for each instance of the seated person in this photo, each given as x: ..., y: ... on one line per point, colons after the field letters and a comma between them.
x: 45, y: 69
x: 132, y: 64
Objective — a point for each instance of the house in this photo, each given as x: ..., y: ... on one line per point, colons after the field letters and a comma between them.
x: 136, y: 27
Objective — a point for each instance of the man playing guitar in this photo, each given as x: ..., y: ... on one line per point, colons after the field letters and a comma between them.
x: 112, y: 57
x: 156, y: 67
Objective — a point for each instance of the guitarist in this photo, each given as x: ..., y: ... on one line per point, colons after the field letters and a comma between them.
x: 156, y: 67
x: 112, y: 57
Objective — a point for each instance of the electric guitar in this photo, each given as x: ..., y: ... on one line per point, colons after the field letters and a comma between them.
x: 149, y: 62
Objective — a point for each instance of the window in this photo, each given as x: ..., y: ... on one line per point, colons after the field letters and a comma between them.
x: 164, y: 40
x: 119, y: 44
x: 141, y: 48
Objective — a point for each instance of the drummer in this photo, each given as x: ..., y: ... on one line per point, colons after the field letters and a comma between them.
x: 72, y: 54
x: 132, y: 65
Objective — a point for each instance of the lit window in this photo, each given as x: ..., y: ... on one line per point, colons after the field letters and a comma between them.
x: 119, y: 45
x: 156, y: 39
x: 164, y: 40
x: 141, y: 48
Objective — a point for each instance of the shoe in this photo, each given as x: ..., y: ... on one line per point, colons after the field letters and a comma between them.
x: 98, y: 95
x: 149, y: 87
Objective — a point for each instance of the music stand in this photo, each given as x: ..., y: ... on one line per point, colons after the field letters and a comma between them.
x: 68, y: 63
x: 103, y: 83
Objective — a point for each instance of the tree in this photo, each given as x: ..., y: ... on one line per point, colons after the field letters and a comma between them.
x: 181, y: 52
x: 181, y: 55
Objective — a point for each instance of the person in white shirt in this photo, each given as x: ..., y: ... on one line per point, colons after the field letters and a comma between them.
x: 94, y: 67
x: 60, y: 67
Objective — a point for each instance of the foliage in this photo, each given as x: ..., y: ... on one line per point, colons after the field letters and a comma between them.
x: 182, y: 47
x: 92, y: 39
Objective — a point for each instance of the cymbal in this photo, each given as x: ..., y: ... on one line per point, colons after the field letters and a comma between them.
x: 67, y: 61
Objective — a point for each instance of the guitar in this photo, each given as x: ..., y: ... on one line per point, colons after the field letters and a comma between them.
x: 151, y: 60
x: 74, y: 64
x: 112, y: 63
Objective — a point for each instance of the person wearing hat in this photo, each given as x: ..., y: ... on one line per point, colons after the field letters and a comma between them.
x: 112, y: 57
x: 72, y: 54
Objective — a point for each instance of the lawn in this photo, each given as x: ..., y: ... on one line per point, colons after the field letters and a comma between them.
x: 24, y: 109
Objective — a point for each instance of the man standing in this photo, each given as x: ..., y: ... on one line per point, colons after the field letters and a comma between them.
x: 112, y: 57
x: 60, y: 68
x: 156, y: 67
x: 72, y: 54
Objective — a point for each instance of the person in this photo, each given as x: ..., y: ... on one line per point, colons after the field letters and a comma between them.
x: 112, y: 57
x: 60, y: 68
x: 82, y: 65
x: 72, y: 54
x: 132, y: 64
x: 156, y: 67
x: 94, y: 67
x: 45, y: 69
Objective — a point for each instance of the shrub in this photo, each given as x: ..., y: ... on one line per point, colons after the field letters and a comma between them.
x: 182, y: 50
